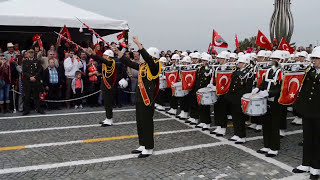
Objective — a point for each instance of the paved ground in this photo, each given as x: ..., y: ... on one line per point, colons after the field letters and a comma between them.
x: 71, y: 145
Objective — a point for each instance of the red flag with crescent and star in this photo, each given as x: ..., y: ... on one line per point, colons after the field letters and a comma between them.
x: 284, y: 45
x: 223, y: 80
x: 244, y: 104
x: 37, y: 37
x: 261, y: 75
x: 291, y: 85
x: 121, y: 35
x: 263, y: 41
x: 218, y: 41
x: 171, y: 78
x: 64, y: 32
x: 199, y: 96
x: 188, y: 79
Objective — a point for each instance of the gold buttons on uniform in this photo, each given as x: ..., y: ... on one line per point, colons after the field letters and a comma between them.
x: 310, y: 99
x: 312, y: 87
x: 311, y: 93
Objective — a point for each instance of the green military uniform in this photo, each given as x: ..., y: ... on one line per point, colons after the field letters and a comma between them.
x: 203, y: 78
x: 30, y: 68
x: 241, y: 83
x: 307, y: 105
x: 107, y: 88
x: 145, y: 110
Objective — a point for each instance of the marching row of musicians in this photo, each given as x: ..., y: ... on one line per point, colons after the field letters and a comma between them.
x: 247, y: 87
x: 259, y: 88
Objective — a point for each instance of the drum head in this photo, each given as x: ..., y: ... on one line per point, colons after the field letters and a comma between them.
x: 252, y: 96
x: 206, y: 89
x: 177, y: 84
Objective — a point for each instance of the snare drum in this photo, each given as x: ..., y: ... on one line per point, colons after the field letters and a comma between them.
x: 254, y: 104
x: 162, y: 83
x: 177, y: 90
x: 206, y: 96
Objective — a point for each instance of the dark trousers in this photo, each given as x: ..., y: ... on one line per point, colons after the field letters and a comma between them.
x: 108, y: 96
x: 204, y: 112
x: 185, y: 103
x: 194, y: 107
x: 239, y: 120
x: 271, y: 127
x: 118, y: 96
x: 311, y: 143
x: 160, y: 99
x: 144, y: 117
x: 283, y: 116
x: 53, y: 94
x: 256, y: 120
x: 68, y: 89
x: 173, y: 101
x: 93, y: 87
x: 78, y: 94
x: 34, y: 89
x: 220, y: 112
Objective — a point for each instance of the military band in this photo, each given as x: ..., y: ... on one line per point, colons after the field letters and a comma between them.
x: 195, y: 84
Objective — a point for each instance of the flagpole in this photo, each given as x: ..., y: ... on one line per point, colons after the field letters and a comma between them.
x: 94, y: 32
x: 68, y: 40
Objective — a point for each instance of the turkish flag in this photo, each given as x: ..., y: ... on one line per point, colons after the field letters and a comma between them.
x: 123, y: 44
x: 237, y: 42
x: 244, y: 104
x: 37, y: 37
x: 64, y: 32
x: 284, y: 45
x: 199, y: 96
x: 188, y: 79
x: 171, y: 78
x: 291, y: 85
x: 218, y: 41
x: 121, y: 35
x: 261, y: 75
x: 223, y: 80
x: 263, y: 41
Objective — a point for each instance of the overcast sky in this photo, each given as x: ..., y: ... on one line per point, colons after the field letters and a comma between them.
x: 188, y: 24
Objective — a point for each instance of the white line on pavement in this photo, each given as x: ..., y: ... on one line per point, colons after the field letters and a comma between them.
x: 243, y: 148
x: 100, y: 160
x: 64, y: 114
x: 81, y: 141
x: 72, y: 127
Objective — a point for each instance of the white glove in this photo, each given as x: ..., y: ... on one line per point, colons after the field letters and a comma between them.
x: 160, y: 76
x: 212, y: 87
x: 123, y: 83
x: 255, y: 91
x: 264, y: 93
x: 295, y: 68
x: 223, y: 68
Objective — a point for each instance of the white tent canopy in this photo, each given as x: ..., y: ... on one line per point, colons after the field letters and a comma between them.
x: 53, y: 13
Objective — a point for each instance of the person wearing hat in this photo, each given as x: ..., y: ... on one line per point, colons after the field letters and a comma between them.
x: 221, y: 106
x: 241, y: 83
x: 184, y: 101
x: 307, y: 105
x: 159, y: 105
x: 31, y: 69
x: 108, y: 81
x: 271, y: 88
x: 10, y: 54
x: 148, y: 86
x: 203, y: 78
x: 174, y: 102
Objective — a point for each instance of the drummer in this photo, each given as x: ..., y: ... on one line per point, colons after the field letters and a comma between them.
x: 159, y: 105
x: 184, y: 101
x: 220, y: 107
x: 256, y: 121
x: 241, y: 83
x: 173, y: 100
x: 270, y: 88
x: 194, y: 108
x: 203, y: 78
